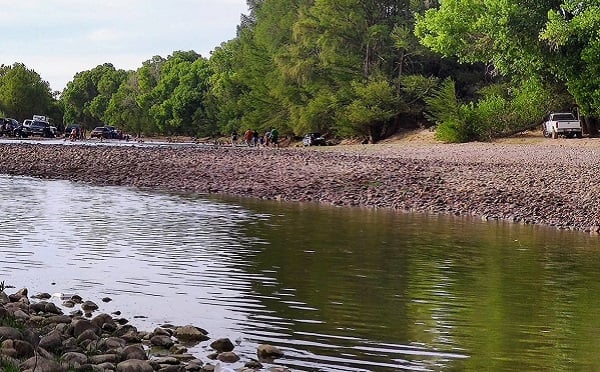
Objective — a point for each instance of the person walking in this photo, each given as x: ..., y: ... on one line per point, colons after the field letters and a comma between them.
x: 234, y: 138
x: 275, y: 137
x: 248, y: 137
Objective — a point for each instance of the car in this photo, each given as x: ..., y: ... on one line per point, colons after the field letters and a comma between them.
x: 8, y: 126
x: 114, y: 132
x: 314, y: 139
x: 40, y: 128
x: 101, y: 132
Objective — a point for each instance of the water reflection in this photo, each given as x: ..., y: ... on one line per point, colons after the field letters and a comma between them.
x: 336, y: 289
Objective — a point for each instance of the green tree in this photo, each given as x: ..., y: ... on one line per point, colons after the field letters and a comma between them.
x: 87, y: 96
x: 534, y: 48
x: 374, y: 102
x: 178, y: 98
x: 265, y: 34
x: 572, y: 35
x: 23, y: 93
x: 124, y: 110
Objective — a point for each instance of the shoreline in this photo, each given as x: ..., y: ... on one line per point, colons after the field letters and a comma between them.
x: 37, y: 335
x: 549, y: 183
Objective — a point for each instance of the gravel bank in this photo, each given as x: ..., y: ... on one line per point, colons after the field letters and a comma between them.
x: 553, y: 183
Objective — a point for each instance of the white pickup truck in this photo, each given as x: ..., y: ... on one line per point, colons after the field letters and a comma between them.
x: 562, y: 124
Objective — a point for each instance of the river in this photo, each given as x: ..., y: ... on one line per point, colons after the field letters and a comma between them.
x: 337, y: 289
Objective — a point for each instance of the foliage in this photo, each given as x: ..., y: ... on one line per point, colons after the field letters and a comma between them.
x: 572, y: 33
x: 502, y: 110
x: 554, y: 42
x: 23, y: 93
x: 124, y: 110
x: 222, y: 105
x: 349, y: 68
x: 87, y: 96
x: 373, y: 102
x: 11, y: 321
x: 8, y: 365
x: 443, y: 109
x: 179, y: 95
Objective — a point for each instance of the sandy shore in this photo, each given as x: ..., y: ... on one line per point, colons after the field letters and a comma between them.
x: 525, y: 180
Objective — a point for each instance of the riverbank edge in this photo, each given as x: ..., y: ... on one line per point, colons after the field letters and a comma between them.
x: 35, y: 334
x: 522, y: 183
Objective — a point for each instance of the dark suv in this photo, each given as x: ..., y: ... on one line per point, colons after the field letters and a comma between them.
x: 40, y: 128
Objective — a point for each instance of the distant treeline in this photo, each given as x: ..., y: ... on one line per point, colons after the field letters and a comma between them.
x: 473, y: 70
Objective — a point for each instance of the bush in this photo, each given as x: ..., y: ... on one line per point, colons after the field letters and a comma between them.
x: 453, y: 131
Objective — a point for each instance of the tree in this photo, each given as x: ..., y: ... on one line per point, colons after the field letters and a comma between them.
x: 23, y: 93
x: 124, y: 110
x: 178, y: 99
x: 572, y: 35
x: 222, y: 104
x: 87, y: 96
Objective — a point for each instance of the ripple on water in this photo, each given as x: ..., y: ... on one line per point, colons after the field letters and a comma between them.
x: 178, y: 259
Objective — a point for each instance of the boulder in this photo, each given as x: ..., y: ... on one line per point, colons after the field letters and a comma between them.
x: 52, y: 341
x: 162, y: 341
x: 222, y: 345
x: 10, y: 333
x: 42, y: 296
x: 65, y: 319
x: 228, y: 357
x: 78, y: 326
x: 88, y: 334
x: 134, y: 365
x: 7, y: 349
x: 268, y: 352
x: 134, y: 352
x: 104, y: 358
x: 101, y: 319
x: 4, y: 298
x: 73, y: 359
x: 88, y: 306
x: 21, y: 315
x: 39, y: 364
x: 190, y: 333
x: 24, y: 349
x: 45, y: 307
x: 113, y: 343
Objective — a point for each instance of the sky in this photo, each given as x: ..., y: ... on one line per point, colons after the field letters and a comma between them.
x: 58, y: 38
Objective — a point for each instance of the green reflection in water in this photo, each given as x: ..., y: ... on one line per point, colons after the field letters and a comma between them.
x: 430, y: 291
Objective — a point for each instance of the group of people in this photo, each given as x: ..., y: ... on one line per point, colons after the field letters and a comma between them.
x: 76, y: 133
x: 253, y: 139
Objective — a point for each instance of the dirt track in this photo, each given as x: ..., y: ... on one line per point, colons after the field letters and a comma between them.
x: 552, y: 182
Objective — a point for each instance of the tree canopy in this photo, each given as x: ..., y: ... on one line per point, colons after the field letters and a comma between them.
x: 473, y: 69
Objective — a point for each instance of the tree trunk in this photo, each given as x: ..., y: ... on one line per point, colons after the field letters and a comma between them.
x: 590, y: 125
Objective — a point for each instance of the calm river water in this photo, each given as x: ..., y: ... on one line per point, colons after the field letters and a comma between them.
x: 335, y: 289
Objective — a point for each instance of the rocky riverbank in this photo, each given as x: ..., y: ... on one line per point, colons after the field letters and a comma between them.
x: 36, y: 335
x: 553, y: 183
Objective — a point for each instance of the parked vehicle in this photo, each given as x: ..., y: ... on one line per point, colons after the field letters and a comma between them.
x: 8, y: 126
x: 40, y: 128
x: 101, y: 132
x: 114, y: 133
x: 314, y: 139
x: 20, y: 131
x: 562, y: 124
